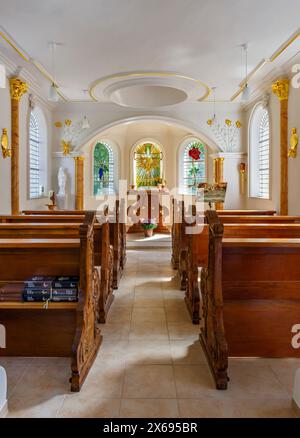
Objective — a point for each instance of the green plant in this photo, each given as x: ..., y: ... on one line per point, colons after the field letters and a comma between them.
x: 149, y: 225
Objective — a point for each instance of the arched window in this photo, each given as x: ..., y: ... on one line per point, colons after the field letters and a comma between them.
x: 259, y: 153
x: 103, y: 168
x: 37, y: 154
x: 192, y: 164
x: 148, y: 165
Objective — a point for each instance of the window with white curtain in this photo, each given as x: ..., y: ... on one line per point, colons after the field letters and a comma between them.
x: 37, y: 154
x: 259, y: 153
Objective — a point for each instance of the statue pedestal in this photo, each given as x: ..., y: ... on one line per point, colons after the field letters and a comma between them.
x: 62, y: 202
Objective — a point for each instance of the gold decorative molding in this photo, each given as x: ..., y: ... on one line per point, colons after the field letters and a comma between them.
x: 13, y: 45
x: 281, y: 89
x: 17, y: 88
x: 79, y: 158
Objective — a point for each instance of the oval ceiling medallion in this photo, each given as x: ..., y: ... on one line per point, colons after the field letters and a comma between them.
x: 148, y: 89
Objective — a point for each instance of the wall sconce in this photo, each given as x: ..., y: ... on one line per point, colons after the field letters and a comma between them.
x: 242, y: 169
x: 293, y: 144
x: 6, y: 152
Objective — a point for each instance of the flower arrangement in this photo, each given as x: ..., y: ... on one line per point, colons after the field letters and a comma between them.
x: 148, y: 226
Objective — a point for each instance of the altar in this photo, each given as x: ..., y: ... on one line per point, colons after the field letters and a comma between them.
x: 148, y: 206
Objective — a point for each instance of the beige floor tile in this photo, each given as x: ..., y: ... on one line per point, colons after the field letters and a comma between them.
x: 124, y: 299
x: 192, y: 381
x: 187, y: 352
x: 115, y: 331
x: 149, y: 381
x: 231, y: 408
x: 119, y: 314
x: 146, y: 314
x: 152, y: 330
x: 112, y: 353
x: 149, y: 408
x: 249, y: 380
x: 38, y: 405
x: 177, y: 312
x: 15, y: 368
x: 104, y: 382
x: 148, y: 301
x: 285, y: 370
x: 180, y: 331
x: 149, y: 289
x: 149, y: 352
x: 80, y: 406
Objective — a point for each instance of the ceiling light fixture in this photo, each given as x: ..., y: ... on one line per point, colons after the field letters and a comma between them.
x: 246, y: 90
x: 213, y: 119
x: 85, y: 123
x: 53, y: 95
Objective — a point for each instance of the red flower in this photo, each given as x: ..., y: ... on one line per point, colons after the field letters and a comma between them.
x: 195, y: 153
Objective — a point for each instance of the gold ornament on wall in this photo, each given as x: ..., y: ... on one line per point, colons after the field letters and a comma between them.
x: 293, y: 144
x: 66, y: 147
x: 71, y: 133
x: 6, y: 152
x: 243, y: 177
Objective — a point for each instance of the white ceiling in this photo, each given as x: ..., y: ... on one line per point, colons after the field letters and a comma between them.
x: 196, y: 38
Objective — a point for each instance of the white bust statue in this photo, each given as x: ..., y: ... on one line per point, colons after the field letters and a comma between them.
x: 62, y: 179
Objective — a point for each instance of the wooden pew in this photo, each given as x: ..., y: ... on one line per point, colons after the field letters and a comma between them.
x: 175, y: 231
x: 103, y: 255
x: 61, y: 329
x: 118, y: 251
x: 198, y: 252
x: 179, y: 248
x: 258, y: 219
x: 251, y: 298
x: 117, y: 232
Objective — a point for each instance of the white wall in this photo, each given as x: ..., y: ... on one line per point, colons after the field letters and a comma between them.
x: 5, y: 164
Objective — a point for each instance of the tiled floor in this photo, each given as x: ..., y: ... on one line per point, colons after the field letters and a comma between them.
x: 150, y: 364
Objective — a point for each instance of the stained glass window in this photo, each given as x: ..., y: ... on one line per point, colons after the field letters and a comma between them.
x: 103, y: 168
x: 194, y: 171
x: 148, y: 165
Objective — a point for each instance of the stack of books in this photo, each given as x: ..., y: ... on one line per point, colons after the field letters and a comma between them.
x: 55, y: 289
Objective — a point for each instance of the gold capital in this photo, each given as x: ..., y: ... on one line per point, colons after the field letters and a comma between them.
x: 281, y: 89
x: 17, y: 88
x: 78, y: 158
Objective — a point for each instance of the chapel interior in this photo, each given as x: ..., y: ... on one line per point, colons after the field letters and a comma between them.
x: 149, y: 209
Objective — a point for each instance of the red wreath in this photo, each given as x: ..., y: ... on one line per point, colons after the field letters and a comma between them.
x: 195, y: 153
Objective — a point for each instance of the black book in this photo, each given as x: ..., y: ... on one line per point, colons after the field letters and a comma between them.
x: 29, y: 284
x: 64, y: 284
x: 58, y: 292
x: 66, y: 298
x: 38, y: 298
x: 32, y: 290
